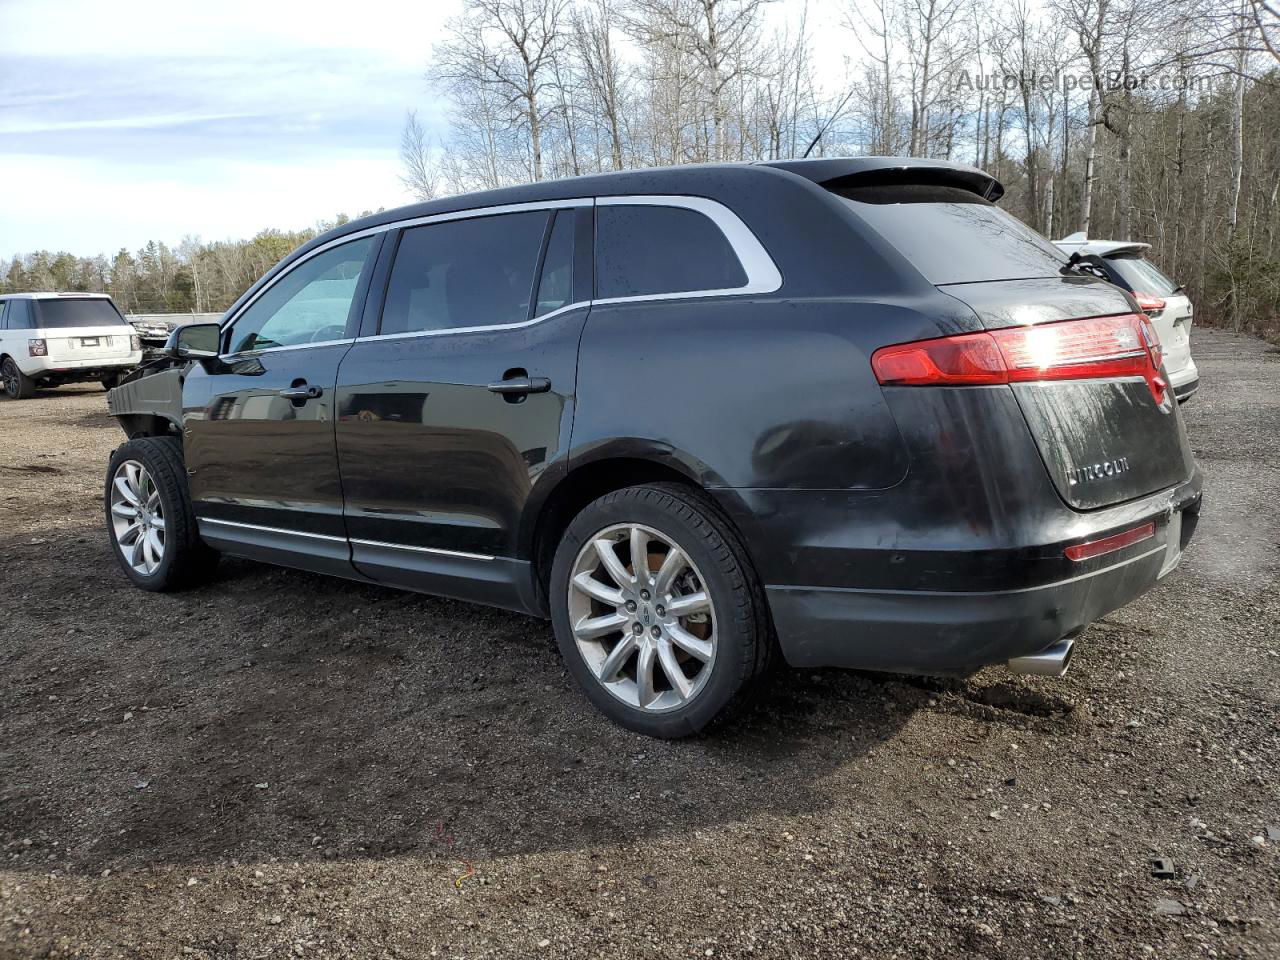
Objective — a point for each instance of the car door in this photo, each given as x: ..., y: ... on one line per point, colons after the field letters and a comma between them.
x: 454, y: 410
x: 258, y: 428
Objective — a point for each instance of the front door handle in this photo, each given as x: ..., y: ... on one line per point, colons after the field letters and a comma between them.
x: 302, y: 393
x: 519, y: 386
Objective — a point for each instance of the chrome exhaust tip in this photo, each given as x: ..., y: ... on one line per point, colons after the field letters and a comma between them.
x: 1050, y: 662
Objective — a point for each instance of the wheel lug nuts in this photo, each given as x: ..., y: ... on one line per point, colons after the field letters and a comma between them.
x: 636, y: 628
x: 661, y: 610
x: 657, y: 632
x: 631, y: 606
x: 644, y: 594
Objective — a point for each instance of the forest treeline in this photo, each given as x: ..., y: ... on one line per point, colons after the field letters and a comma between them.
x: 191, y: 277
x: 1154, y: 120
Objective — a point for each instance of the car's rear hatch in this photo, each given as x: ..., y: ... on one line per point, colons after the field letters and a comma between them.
x: 1105, y: 437
x: 1172, y: 316
x: 83, y: 329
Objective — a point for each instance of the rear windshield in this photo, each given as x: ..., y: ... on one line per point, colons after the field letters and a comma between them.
x: 952, y: 235
x: 1142, y: 275
x: 77, y: 313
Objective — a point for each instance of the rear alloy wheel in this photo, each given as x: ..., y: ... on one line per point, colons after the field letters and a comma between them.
x: 16, y: 384
x: 657, y: 609
x: 642, y: 618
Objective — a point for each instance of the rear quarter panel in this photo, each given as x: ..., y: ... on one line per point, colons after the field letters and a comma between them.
x: 746, y: 393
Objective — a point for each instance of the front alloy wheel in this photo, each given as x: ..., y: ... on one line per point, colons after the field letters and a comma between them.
x: 150, y: 520
x: 642, y: 618
x: 137, y: 517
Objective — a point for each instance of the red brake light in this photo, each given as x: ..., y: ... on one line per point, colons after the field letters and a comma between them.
x: 1118, y: 346
x: 1096, y: 548
x: 1148, y: 304
x: 970, y: 358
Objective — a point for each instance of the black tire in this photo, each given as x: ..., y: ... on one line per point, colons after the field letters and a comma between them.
x: 17, y: 385
x: 186, y: 560
x: 745, y: 645
x: 111, y: 381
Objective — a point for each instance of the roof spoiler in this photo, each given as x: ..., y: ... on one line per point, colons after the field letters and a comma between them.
x: 837, y: 172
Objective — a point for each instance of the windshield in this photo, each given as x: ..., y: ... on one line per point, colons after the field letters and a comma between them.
x: 952, y: 235
x: 1143, y: 276
x: 95, y: 312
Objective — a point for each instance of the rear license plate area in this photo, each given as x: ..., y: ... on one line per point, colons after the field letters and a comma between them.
x: 89, y: 341
x: 1173, y: 543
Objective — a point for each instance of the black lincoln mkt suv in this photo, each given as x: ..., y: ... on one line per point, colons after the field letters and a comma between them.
x: 846, y: 410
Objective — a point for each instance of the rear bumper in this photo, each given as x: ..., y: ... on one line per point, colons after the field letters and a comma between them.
x: 959, y: 629
x: 1185, y: 380
x: 914, y: 631
x: 40, y: 367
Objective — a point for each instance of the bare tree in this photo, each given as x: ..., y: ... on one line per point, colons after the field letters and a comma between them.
x: 602, y: 70
x: 422, y: 174
x: 509, y: 46
x: 720, y: 36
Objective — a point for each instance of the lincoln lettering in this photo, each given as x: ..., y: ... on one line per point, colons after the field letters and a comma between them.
x: 1098, y: 471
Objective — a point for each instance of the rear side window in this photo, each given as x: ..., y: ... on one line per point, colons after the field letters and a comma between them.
x: 77, y: 313
x: 555, y: 289
x: 645, y: 250
x: 19, y: 316
x: 952, y: 235
x: 464, y: 273
x: 1142, y: 276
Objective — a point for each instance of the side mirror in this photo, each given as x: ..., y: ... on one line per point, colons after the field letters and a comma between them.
x: 194, y: 341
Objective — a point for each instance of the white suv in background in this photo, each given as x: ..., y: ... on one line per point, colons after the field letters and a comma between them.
x: 48, y: 339
x: 1163, y: 300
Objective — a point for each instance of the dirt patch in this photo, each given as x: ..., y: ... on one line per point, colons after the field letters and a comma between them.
x: 279, y: 764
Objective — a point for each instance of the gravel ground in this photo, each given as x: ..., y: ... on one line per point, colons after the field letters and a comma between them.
x: 279, y: 764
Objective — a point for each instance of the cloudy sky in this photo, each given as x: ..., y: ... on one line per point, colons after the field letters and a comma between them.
x: 152, y: 119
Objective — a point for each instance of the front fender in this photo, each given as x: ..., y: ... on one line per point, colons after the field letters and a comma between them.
x: 150, y: 405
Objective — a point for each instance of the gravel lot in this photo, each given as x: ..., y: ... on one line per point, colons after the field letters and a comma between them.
x: 280, y: 764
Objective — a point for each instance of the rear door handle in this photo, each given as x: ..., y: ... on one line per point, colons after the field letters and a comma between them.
x: 302, y: 393
x: 521, y: 385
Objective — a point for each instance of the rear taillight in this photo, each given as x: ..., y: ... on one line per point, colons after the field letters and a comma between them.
x: 1151, y: 306
x: 1096, y: 548
x: 1099, y: 347
x: 135, y: 343
x: 37, y: 348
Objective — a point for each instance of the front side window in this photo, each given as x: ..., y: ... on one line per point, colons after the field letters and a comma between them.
x: 310, y: 304
x: 645, y: 250
x: 464, y: 273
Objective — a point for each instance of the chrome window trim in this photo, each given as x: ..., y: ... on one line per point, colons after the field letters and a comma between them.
x: 762, y: 273
x: 243, y: 354
x: 763, y: 276
x: 412, y: 222
x: 493, y: 326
